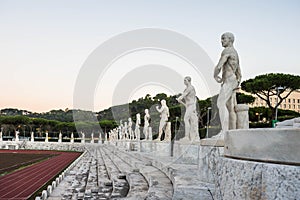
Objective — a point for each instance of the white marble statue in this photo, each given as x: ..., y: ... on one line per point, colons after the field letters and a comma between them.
x: 137, y: 131
x: 119, y: 132
x: 82, y: 137
x: 32, y: 137
x: 164, y: 115
x: 72, y: 137
x: 46, y: 138
x: 100, y: 138
x: 168, y: 134
x: 60, y: 137
x: 125, y: 131
x: 230, y: 79
x: 92, y: 136
x: 105, y: 136
x: 121, y: 135
x: 1, y: 135
x: 146, y: 125
x: 130, y: 131
x: 112, y: 135
x: 17, y: 136
x: 115, y: 131
x: 189, y: 100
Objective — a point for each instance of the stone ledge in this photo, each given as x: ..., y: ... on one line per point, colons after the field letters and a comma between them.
x: 212, y: 142
x: 266, y: 145
x: 241, y: 179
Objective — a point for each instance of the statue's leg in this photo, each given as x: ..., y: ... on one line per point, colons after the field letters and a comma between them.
x: 187, y: 126
x: 145, y: 133
x: 221, y: 103
x: 161, y: 127
x: 232, y: 114
x: 194, y: 132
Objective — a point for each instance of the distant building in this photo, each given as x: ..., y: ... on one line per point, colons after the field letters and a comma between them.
x: 290, y: 103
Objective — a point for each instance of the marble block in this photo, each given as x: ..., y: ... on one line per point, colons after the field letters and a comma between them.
x: 264, y: 144
x: 242, y: 116
x: 186, y: 153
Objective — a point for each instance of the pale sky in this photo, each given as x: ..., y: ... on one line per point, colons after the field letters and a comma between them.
x: 43, y: 44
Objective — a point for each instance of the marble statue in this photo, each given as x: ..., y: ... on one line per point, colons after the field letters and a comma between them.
x: 189, y: 100
x: 92, y: 136
x: 116, y: 134
x: 125, y: 131
x: 100, y: 138
x: 164, y: 115
x: 82, y: 137
x: 230, y: 79
x: 72, y: 137
x: 137, y: 127
x: 1, y: 135
x: 112, y: 135
x: 121, y: 135
x: 17, y: 135
x: 146, y: 125
x: 32, y: 137
x: 60, y: 137
x: 46, y: 138
x: 168, y: 134
x: 109, y: 134
x: 120, y: 132
x: 150, y: 133
x: 290, y: 123
x: 130, y: 131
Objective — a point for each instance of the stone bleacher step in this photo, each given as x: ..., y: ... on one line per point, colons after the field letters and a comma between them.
x: 160, y: 186
x: 138, y: 186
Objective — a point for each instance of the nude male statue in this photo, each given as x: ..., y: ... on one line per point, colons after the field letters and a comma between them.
x: 146, y: 124
x: 230, y: 80
x: 188, y: 99
x: 137, y: 132
x: 164, y: 114
x: 17, y: 135
x: 130, y: 132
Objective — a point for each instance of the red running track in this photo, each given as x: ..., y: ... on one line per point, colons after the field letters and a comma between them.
x: 23, y: 183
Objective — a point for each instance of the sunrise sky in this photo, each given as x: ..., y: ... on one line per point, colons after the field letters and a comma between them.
x: 43, y: 44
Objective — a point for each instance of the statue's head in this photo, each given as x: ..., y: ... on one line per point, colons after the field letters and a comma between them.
x: 146, y: 111
x: 187, y: 80
x: 163, y: 102
x: 227, y: 39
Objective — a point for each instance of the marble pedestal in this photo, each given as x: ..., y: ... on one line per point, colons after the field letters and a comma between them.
x: 264, y: 144
x: 186, y: 153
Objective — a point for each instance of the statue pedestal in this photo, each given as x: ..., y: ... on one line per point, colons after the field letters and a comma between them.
x: 242, y: 116
x: 152, y: 147
x: 209, y: 156
x: 146, y: 146
x: 212, y: 142
x: 264, y: 144
x: 186, y: 152
x: 161, y: 148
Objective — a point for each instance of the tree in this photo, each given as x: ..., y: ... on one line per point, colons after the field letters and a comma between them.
x: 160, y: 97
x: 244, y: 98
x: 108, y: 125
x: 272, y: 85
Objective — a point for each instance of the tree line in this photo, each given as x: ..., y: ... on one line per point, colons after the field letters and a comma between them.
x: 55, y: 121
